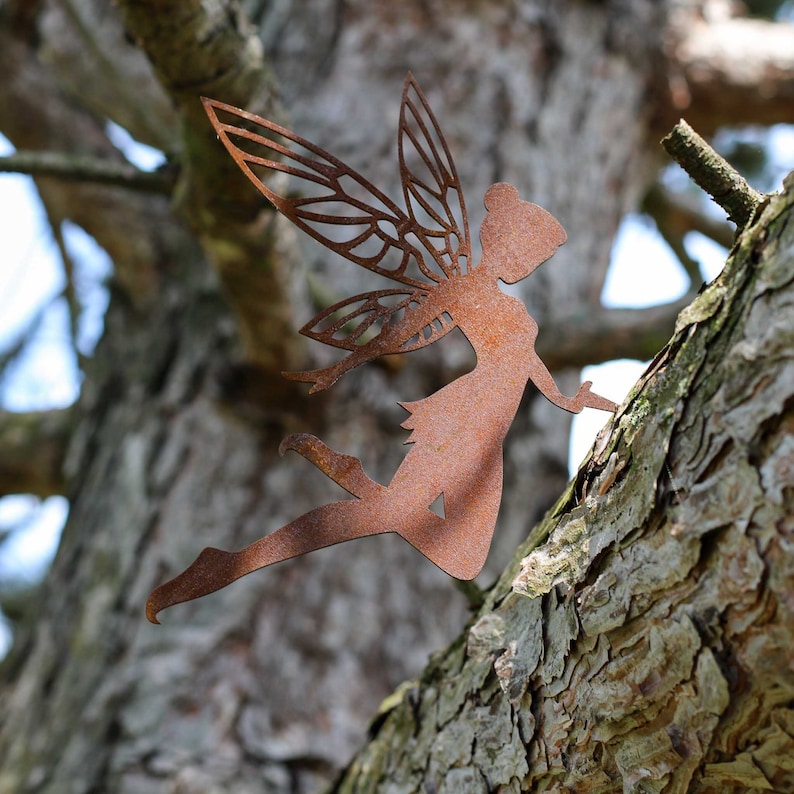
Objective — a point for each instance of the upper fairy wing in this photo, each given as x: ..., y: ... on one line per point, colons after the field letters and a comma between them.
x: 333, y: 203
x: 430, y: 184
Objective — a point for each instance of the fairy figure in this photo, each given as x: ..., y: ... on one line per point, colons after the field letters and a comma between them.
x: 457, y: 432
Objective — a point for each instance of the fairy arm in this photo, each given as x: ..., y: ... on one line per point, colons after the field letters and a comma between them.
x: 584, y: 398
x: 428, y: 321
x: 322, y: 379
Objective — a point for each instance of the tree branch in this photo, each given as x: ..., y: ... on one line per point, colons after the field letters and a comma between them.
x: 712, y: 173
x: 675, y: 216
x: 199, y: 49
x: 82, y: 168
x: 69, y: 291
x: 681, y: 213
x: 35, y: 116
x: 32, y: 449
x: 91, y: 52
x: 211, y: 49
x: 606, y: 334
x: 732, y: 71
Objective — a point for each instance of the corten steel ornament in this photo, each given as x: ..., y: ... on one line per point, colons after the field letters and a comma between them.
x: 457, y: 433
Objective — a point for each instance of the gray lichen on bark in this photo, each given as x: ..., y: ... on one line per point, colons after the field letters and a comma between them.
x: 642, y: 638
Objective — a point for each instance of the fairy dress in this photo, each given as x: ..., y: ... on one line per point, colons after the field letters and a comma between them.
x: 458, y: 431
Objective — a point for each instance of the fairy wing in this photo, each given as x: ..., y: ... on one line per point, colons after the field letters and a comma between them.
x: 431, y: 186
x: 356, y: 321
x: 336, y: 205
x: 349, y: 215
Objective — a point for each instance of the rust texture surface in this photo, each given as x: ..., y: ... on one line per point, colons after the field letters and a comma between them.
x: 457, y: 432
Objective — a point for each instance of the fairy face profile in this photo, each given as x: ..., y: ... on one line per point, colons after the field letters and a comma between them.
x: 455, y: 444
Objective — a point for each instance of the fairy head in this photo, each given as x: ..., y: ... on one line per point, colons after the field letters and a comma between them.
x: 516, y: 235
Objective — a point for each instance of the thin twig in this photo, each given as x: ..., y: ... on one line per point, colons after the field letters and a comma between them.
x: 69, y: 291
x: 712, y: 173
x: 88, y: 169
x: 675, y: 215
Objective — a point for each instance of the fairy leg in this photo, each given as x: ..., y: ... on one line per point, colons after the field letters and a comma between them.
x: 458, y: 543
x: 323, y: 526
x: 344, y: 470
x: 450, y: 544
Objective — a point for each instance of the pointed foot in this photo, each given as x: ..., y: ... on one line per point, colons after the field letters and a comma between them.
x: 211, y: 570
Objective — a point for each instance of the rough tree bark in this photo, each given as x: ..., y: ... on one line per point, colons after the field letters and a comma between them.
x: 641, y: 640
x: 267, y: 686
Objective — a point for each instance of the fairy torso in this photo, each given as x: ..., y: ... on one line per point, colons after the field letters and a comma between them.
x: 487, y: 398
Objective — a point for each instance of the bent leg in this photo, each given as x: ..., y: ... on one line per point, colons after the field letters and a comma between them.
x: 459, y: 543
x: 451, y: 544
x: 344, y: 470
x: 214, y: 568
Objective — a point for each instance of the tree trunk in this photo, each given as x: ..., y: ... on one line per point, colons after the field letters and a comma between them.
x: 641, y: 640
x: 267, y: 685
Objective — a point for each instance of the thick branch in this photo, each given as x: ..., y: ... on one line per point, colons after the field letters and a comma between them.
x: 82, y: 168
x: 713, y: 173
x: 733, y: 71
x: 32, y: 449
x: 198, y: 49
x: 136, y: 229
x: 606, y: 334
x: 205, y: 49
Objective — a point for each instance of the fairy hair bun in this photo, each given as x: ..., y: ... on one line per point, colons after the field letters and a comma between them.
x: 500, y: 197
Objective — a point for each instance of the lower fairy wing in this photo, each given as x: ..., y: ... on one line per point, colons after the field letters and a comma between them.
x: 363, y: 319
x: 357, y: 320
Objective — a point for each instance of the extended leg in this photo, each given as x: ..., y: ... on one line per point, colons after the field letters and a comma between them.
x: 344, y: 470
x: 323, y: 526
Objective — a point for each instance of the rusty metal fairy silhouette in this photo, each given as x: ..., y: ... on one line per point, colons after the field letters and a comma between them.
x: 457, y: 432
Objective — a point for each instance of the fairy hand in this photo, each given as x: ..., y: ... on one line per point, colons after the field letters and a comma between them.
x: 587, y: 399
x: 320, y: 379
